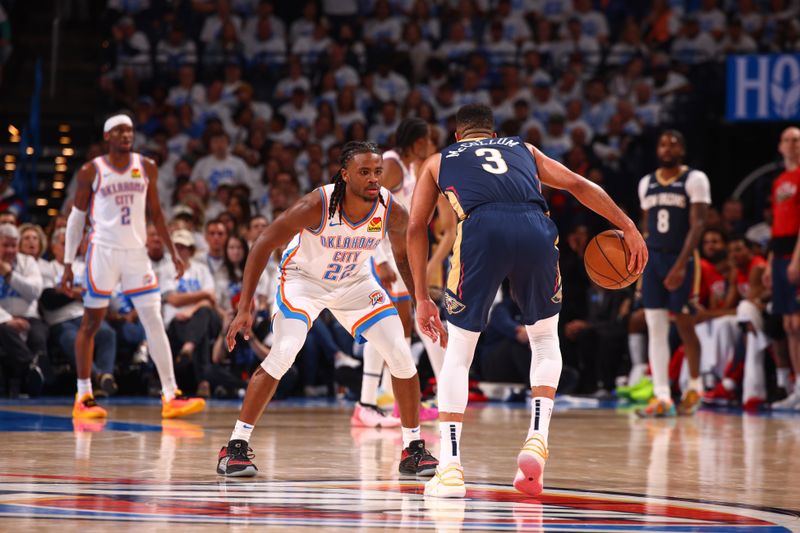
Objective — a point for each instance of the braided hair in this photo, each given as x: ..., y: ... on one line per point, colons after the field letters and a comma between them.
x: 410, y: 131
x: 349, y: 151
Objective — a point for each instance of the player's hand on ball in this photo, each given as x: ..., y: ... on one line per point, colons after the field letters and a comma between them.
x: 638, y: 248
x: 179, y: 266
x: 428, y: 319
x: 242, y: 322
x: 67, y: 280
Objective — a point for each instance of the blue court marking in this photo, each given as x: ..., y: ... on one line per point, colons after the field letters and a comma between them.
x: 18, y: 421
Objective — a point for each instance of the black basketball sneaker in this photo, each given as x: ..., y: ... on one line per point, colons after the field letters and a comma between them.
x: 234, y: 460
x: 416, y: 460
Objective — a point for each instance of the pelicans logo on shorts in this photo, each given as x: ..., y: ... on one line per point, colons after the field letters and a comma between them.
x: 136, y: 173
x: 376, y: 224
x: 453, y: 306
x: 376, y: 297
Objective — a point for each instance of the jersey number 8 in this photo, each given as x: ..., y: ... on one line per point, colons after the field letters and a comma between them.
x: 662, y: 221
x: 493, y: 156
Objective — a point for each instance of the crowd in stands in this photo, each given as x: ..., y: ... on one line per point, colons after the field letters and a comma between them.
x: 245, y: 111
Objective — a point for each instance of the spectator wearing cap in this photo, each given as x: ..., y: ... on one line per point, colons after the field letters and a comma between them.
x: 175, y: 51
x: 190, y: 315
x: 23, y: 335
x: 693, y: 46
x: 219, y: 166
x: 544, y: 104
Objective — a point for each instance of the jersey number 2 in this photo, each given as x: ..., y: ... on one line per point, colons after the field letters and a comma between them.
x: 125, y: 217
x: 334, y: 269
x: 494, y: 160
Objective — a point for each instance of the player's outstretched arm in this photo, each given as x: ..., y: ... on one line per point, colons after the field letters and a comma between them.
x: 306, y: 213
x: 591, y: 195
x: 426, y: 194
x: 157, y: 216
x: 398, y: 225
x: 76, y: 221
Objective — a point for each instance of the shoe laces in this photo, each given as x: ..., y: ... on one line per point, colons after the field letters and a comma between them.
x: 374, y: 408
x: 89, y: 402
x: 241, y: 452
x: 420, y: 452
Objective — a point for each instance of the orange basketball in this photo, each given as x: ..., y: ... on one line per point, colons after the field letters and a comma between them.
x: 606, y: 261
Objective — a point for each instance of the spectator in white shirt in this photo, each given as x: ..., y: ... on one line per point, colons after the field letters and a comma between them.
x: 298, y: 112
x: 385, y: 30
x: 187, y: 91
x: 498, y: 48
x: 574, y: 120
x: 266, y: 50
x: 711, y: 19
x: 599, y: 107
x: 471, y: 92
x: 264, y: 10
x: 343, y: 73
x: 385, y: 126
x: 554, y: 10
x: 175, y: 51
x: 556, y: 141
x: 576, y: 42
x: 416, y: 49
x: 544, y: 105
x: 219, y: 166
x: 295, y: 80
x: 693, y: 46
x: 628, y: 47
x: 23, y: 335
x: 429, y: 27
x: 736, y: 41
x: 245, y: 98
x: 752, y: 19
x: 304, y: 26
x: 593, y: 22
x: 647, y: 108
x: 311, y: 49
x: 133, y: 50
x: 515, y: 29
x: 190, y: 314
x: 212, y: 27
x: 456, y: 48
x: 389, y: 85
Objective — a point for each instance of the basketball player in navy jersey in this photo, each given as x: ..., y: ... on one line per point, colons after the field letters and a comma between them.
x: 494, y: 186
x: 674, y: 201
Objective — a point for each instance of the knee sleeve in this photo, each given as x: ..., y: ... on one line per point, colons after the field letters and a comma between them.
x: 545, y: 352
x: 658, y: 348
x: 289, y: 337
x: 453, y: 382
x: 387, y: 337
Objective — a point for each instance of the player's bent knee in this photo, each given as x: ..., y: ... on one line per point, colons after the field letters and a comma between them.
x: 546, y: 361
x: 282, y: 356
x: 399, y: 360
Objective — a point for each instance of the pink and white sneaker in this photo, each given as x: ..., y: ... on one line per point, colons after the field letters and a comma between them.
x: 531, y: 459
x: 371, y: 416
x: 427, y: 412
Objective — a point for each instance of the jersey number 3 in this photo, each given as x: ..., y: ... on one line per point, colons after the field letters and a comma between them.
x: 494, y: 160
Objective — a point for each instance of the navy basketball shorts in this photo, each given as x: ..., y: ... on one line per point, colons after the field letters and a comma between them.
x: 656, y: 296
x: 785, y: 295
x: 498, y: 241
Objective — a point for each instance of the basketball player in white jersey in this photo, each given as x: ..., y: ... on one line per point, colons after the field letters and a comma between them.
x: 334, y: 230
x: 413, y: 146
x: 117, y: 190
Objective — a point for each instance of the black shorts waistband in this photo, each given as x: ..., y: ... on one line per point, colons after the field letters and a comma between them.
x: 508, y: 206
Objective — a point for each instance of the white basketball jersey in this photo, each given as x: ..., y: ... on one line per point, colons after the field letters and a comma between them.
x: 336, y: 251
x: 405, y: 190
x: 119, y: 200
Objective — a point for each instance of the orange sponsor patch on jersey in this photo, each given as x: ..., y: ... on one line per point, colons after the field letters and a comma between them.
x: 136, y: 173
x: 376, y: 224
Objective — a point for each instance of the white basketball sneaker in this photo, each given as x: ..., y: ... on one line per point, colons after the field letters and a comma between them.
x: 447, y: 482
x: 531, y: 459
x: 790, y: 403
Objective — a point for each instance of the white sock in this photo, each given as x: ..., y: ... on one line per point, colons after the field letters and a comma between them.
x: 386, y: 382
x: 450, y: 440
x: 638, y: 352
x: 541, y: 411
x: 695, y: 384
x: 783, y: 377
x: 84, y: 387
x: 158, y: 344
x: 242, y: 431
x: 373, y: 365
x: 658, y: 348
x: 410, y: 435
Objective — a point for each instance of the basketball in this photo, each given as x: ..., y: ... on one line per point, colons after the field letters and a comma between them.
x: 606, y: 260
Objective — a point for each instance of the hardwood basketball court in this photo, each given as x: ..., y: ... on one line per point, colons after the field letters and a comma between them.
x: 608, y: 471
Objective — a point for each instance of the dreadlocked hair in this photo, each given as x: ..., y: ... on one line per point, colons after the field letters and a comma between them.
x: 349, y: 151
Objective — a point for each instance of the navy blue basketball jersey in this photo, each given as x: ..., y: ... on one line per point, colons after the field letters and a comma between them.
x: 489, y: 171
x: 667, y: 204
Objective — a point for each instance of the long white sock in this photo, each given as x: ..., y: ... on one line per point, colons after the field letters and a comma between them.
x: 410, y: 435
x: 450, y: 442
x: 658, y: 347
x: 782, y: 375
x: 638, y: 351
x: 242, y: 431
x: 84, y: 387
x: 541, y: 411
x: 158, y: 344
x: 373, y: 366
x: 433, y: 349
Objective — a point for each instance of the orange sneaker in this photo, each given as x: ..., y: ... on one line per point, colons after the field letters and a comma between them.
x: 86, y: 407
x: 181, y: 405
x: 690, y: 403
